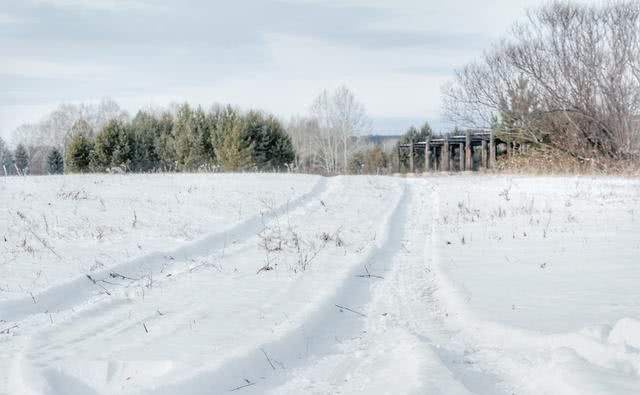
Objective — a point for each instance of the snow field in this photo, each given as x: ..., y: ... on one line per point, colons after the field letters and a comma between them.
x: 178, y: 292
x: 376, y: 285
x: 58, y: 227
x: 543, y: 273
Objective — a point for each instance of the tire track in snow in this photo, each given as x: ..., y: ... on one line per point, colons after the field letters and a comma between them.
x: 67, y: 295
x: 109, y: 318
x: 407, y: 348
x: 428, y: 316
x: 91, y: 328
x: 322, y: 332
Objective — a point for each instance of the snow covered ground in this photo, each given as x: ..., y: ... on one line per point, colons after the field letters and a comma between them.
x: 291, y: 284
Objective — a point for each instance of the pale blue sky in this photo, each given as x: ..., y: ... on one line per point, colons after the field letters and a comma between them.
x: 270, y: 54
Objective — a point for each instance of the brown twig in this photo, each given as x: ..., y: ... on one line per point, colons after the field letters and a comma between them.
x: 348, y: 309
x: 100, y: 285
x: 6, y: 331
x: 268, y: 359
x: 369, y: 275
x: 249, y: 384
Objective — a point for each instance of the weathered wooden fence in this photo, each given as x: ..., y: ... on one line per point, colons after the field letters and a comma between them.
x: 455, y: 153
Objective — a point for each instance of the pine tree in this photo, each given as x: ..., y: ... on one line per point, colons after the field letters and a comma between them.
x: 414, y: 135
x: 55, y: 162
x: 6, y: 159
x: 184, y: 137
x: 80, y: 126
x: 221, y: 120
x: 234, y: 153
x: 146, y: 132
x: 78, y: 155
x: 21, y: 158
x: 356, y: 163
x: 272, y: 146
x: 114, y: 146
x: 202, y: 152
x: 166, y: 143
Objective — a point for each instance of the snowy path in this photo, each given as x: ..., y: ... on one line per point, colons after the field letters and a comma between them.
x: 403, y: 346
x: 366, y: 296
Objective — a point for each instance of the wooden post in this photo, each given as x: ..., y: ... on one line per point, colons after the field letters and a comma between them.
x: 411, y: 157
x: 484, y: 154
x: 492, y: 150
x: 461, y: 154
x: 445, y: 155
x: 468, y: 158
x: 452, y: 154
x: 509, y: 152
x: 398, y: 161
x: 427, y: 155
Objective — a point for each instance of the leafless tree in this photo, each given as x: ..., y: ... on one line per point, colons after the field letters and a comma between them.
x: 340, y: 118
x: 38, y: 159
x: 303, y: 132
x: 567, y: 77
x: 55, y: 129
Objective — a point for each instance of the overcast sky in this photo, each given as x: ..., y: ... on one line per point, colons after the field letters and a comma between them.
x: 267, y: 54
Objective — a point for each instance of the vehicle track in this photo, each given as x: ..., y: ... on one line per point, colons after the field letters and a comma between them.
x: 322, y: 332
x: 80, y: 289
x: 94, y: 326
x: 364, y: 327
x: 405, y: 346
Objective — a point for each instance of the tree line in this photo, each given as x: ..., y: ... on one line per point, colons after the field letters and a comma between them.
x: 189, y: 140
x: 330, y: 139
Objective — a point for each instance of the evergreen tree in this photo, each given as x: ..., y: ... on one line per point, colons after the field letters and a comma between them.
x: 414, y: 135
x: 55, y: 162
x: 21, y: 159
x: 78, y: 155
x: 193, y: 142
x: 6, y: 159
x: 114, y: 146
x: 272, y: 146
x: 166, y: 143
x: 202, y: 152
x: 356, y: 163
x: 221, y: 121
x: 81, y: 126
x: 146, y: 132
x: 234, y: 153
x: 184, y: 136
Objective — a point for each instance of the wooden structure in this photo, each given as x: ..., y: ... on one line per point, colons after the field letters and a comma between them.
x: 451, y: 153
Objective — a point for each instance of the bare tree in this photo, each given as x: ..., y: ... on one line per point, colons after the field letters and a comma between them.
x: 567, y: 77
x: 303, y: 132
x: 340, y: 119
x: 54, y: 130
